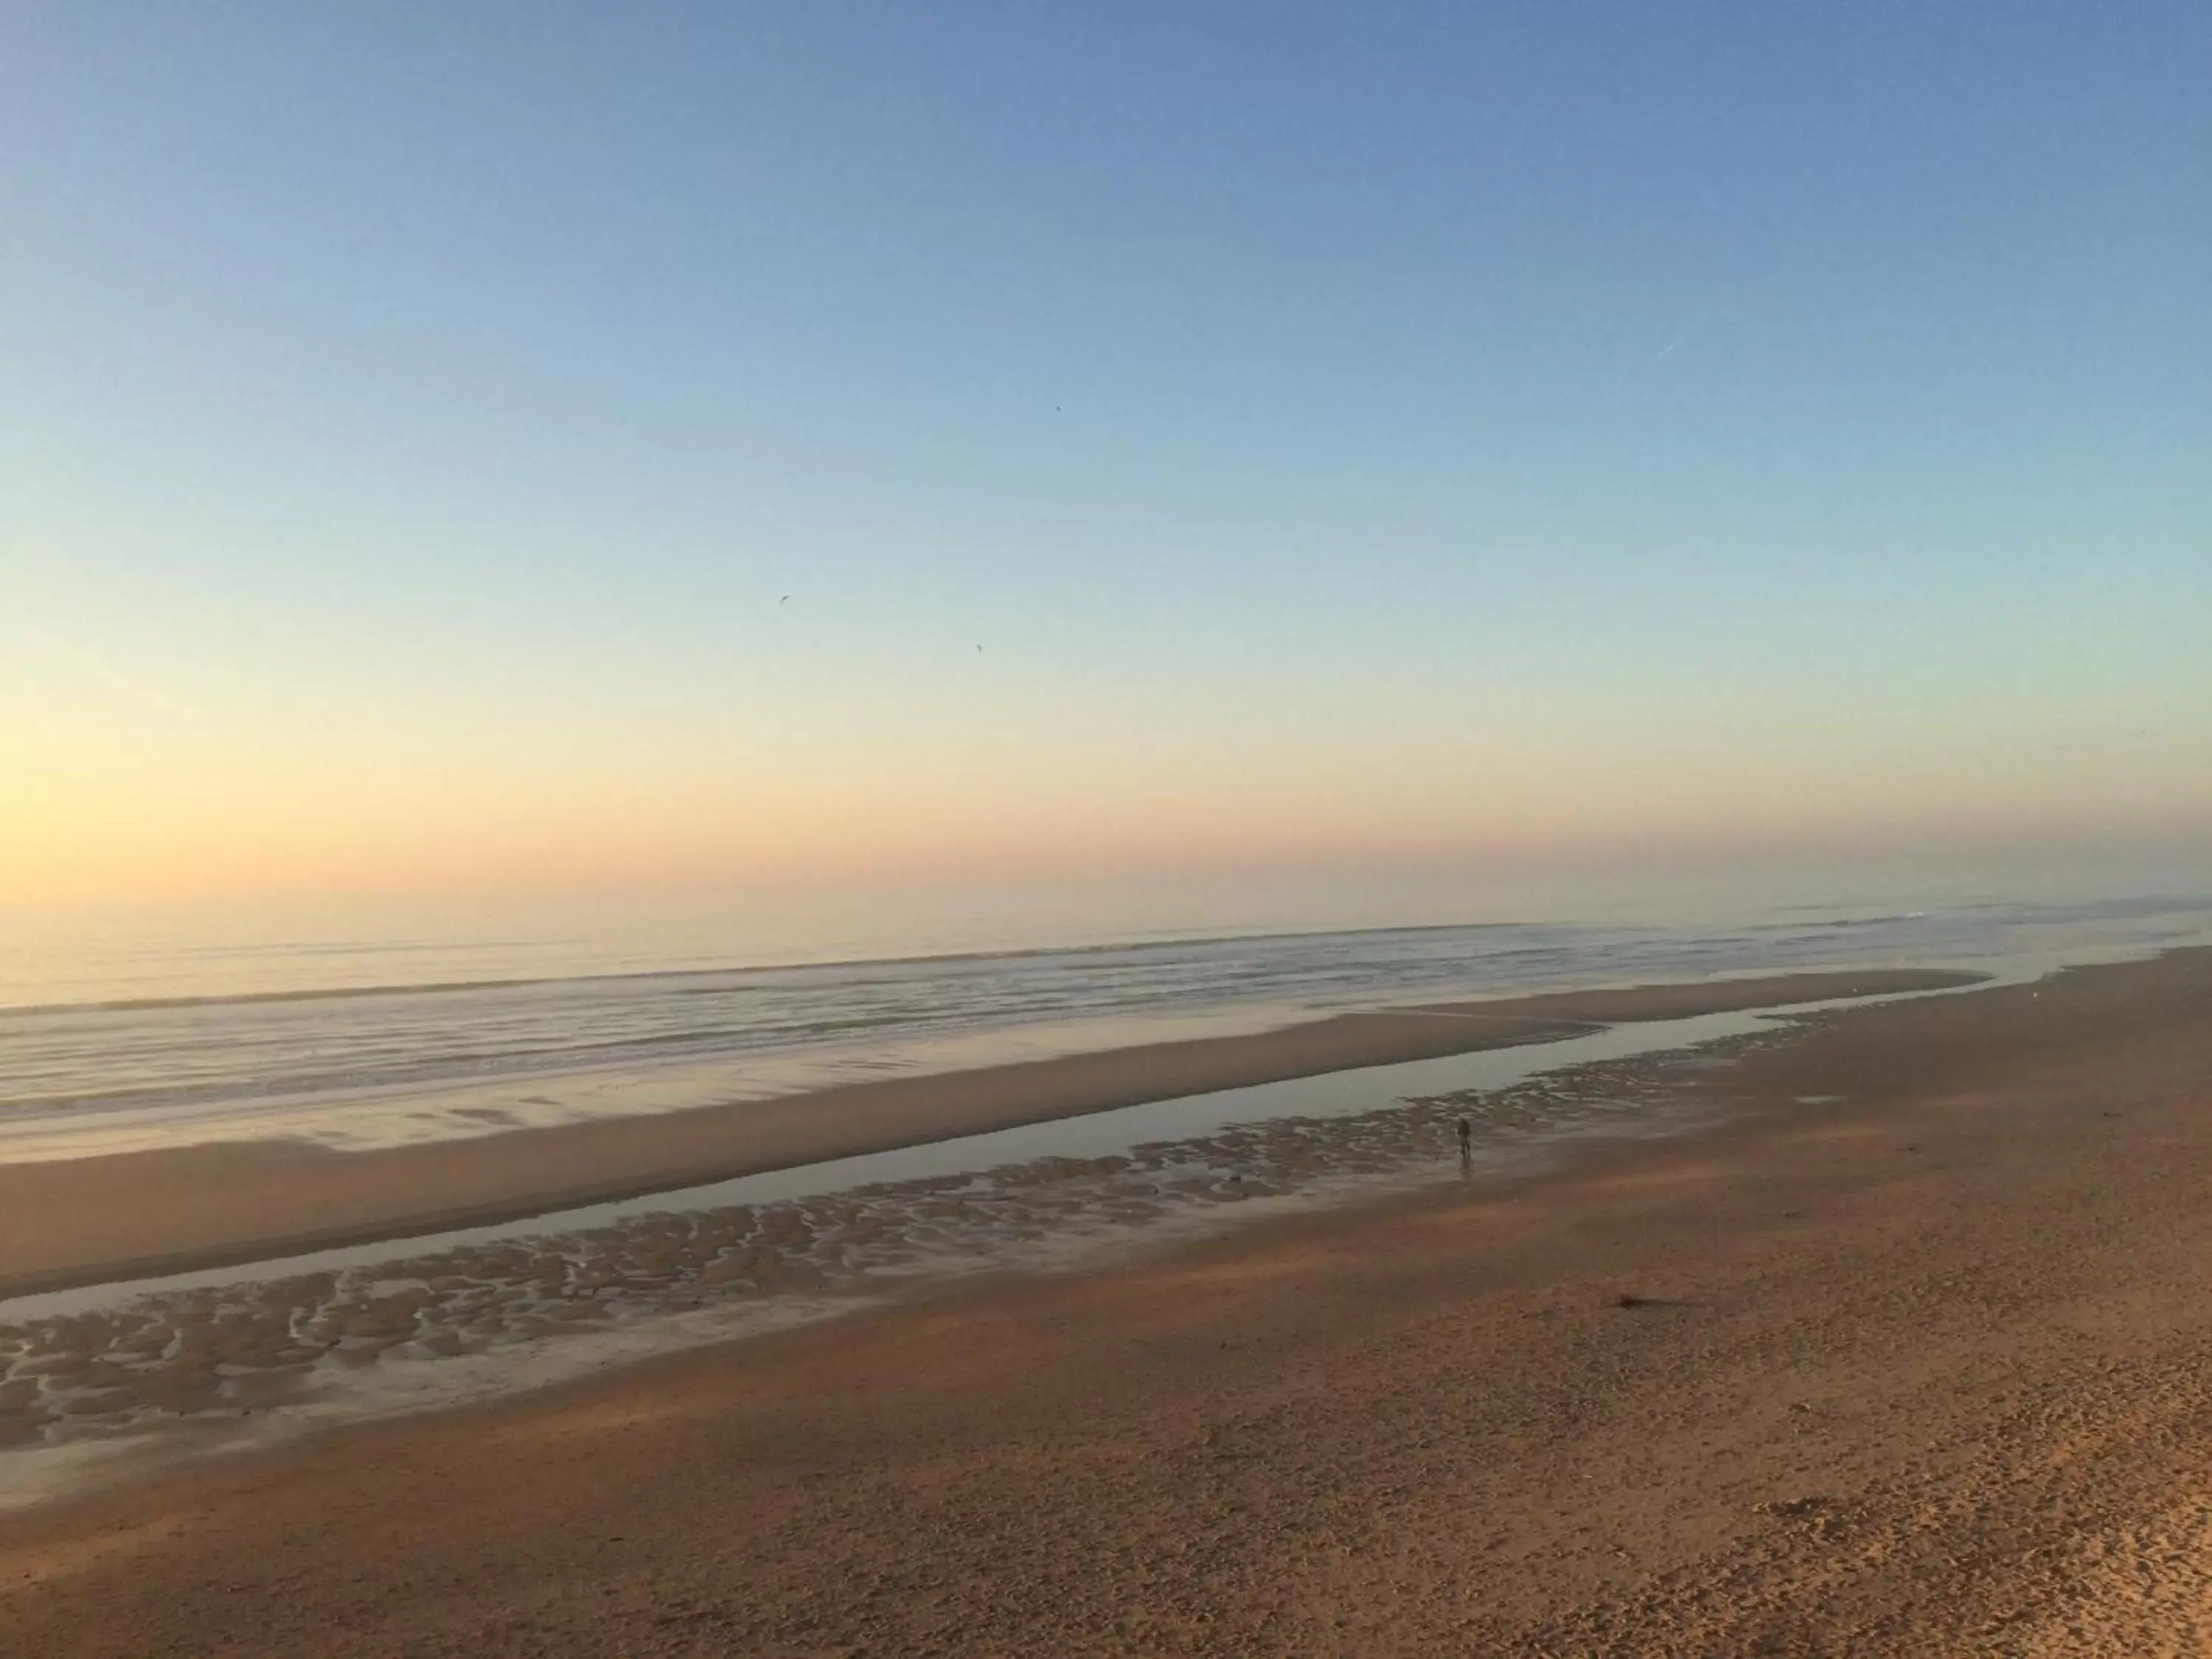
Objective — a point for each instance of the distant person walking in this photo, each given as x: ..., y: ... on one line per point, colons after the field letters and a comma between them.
x: 1464, y: 1130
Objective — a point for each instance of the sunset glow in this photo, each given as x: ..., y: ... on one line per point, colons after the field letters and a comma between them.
x: 778, y: 478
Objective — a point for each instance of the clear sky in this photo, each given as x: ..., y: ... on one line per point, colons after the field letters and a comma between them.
x: 1190, y: 437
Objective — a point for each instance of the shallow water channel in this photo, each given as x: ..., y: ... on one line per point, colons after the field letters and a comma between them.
x: 89, y: 1372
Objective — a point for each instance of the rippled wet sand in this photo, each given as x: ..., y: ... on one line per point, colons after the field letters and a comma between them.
x: 220, y: 1352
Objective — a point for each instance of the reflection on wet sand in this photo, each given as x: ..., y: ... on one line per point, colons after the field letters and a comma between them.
x: 223, y: 1350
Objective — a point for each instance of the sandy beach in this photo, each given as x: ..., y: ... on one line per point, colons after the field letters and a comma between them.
x: 138, y: 1213
x: 869, y: 832
x: 1907, y: 1357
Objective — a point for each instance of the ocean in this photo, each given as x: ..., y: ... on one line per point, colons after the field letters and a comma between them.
x: 384, y: 1032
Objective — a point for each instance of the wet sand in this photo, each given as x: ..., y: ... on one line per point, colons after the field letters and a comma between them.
x: 1908, y: 1359
x: 125, y: 1375
x: 136, y: 1214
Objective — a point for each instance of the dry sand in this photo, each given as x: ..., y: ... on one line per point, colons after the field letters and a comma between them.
x: 136, y: 1214
x: 1920, y: 1371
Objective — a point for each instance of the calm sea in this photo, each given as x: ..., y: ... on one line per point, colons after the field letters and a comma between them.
x: 393, y: 1030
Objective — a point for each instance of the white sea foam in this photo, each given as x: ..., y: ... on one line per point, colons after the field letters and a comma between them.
x: 365, y: 1066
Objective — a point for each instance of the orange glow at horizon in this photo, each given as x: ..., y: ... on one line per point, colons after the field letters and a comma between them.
x: 207, y: 827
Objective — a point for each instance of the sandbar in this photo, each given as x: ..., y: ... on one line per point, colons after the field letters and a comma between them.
x: 136, y: 1214
x: 1906, y: 1358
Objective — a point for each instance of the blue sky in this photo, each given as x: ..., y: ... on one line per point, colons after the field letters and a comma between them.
x: 1368, y: 434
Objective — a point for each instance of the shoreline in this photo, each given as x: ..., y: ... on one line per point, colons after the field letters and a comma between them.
x: 67, y: 1224
x: 124, y: 1375
x: 1916, y: 1370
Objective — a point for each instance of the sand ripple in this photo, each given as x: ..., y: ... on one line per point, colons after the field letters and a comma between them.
x: 243, y: 1346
